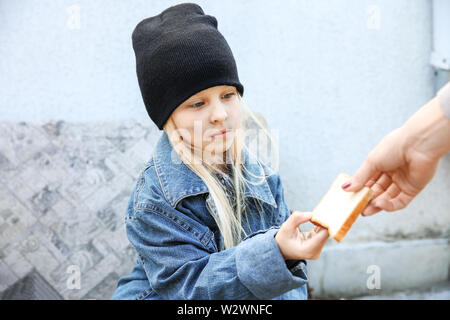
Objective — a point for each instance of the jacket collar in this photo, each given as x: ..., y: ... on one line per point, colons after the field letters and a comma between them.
x: 173, y: 175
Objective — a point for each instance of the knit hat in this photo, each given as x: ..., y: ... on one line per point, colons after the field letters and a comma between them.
x: 179, y: 53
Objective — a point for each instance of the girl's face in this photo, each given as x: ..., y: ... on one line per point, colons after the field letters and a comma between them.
x: 207, y: 113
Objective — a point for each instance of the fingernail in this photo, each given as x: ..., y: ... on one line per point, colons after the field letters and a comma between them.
x: 346, y: 185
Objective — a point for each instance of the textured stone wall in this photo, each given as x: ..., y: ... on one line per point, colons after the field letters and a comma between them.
x: 64, y: 188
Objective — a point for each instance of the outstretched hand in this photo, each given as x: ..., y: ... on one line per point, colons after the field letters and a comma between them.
x: 395, y: 174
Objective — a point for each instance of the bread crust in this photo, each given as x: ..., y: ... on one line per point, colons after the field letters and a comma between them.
x: 362, y: 204
x: 353, y: 216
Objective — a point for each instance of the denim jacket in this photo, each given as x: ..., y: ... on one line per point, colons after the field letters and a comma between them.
x: 169, y: 221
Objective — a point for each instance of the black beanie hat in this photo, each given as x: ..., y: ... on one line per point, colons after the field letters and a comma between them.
x: 179, y: 53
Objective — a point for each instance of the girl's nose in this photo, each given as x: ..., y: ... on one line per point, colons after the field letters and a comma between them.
x: 218, y: 112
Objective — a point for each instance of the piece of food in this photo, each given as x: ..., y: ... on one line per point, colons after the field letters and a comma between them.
x: 339, y: 209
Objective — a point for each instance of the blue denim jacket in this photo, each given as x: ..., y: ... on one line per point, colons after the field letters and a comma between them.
x: 169, y: 221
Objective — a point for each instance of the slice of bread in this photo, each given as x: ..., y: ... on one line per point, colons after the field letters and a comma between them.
x: 339, y: 209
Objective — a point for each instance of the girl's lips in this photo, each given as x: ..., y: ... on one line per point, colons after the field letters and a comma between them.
x: 220, y: 135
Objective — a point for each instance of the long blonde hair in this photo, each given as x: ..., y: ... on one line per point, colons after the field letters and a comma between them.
x: 229, y: 212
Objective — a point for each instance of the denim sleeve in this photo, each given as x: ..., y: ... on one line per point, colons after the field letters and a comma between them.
x: 262, y: 268
x: 180, y: 263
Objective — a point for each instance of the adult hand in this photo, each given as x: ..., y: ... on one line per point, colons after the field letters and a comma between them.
x: 404, y: 161
x: 295, y: 244
x: 395, y: 173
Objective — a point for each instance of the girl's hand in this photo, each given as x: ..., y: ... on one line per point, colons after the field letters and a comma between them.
x: 295, y: 244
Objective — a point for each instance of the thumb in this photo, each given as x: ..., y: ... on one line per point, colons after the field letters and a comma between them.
x: 297, y: 218
x: 361, y: 177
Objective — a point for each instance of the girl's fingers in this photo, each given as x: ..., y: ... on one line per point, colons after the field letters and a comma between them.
x: 315, y: 243
x: 297, y: 218
x: 322, y: 234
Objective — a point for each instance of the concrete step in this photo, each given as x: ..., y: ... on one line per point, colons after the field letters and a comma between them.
x: 378, y: 268
x: 439, y: 291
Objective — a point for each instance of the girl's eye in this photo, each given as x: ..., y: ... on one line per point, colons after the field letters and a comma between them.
x: 228, y: 95
x: 199, y: 104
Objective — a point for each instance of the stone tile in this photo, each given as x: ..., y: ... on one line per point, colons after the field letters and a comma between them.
x: 127, y: 256
x: 92, y: 278
x: 87, y: 184
x: 34, y: 249
x: 52, y: 129
x: 32, y: 287
x: 23, y: 194
x: 19, y: 141
x: 17, y: 263
x: 15, y: 219
x: 78, y: 226
x: 53, y: 242
x: 8, y: 277
x: 86, y: 256
x: 105, y: 289
x: 5, y: 163
x: 49, y: 164
x: 121, y: 184
x: 60, y: 277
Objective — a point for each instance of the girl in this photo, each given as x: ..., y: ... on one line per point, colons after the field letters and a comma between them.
x: 207, y: 218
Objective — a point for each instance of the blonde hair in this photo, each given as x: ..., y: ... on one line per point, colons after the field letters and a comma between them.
x: 229, y: 213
